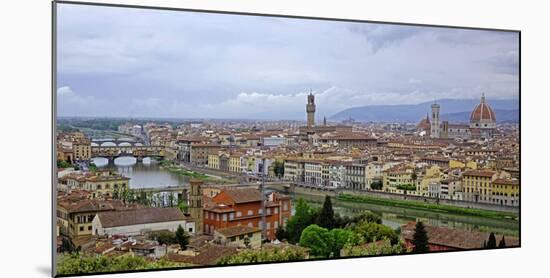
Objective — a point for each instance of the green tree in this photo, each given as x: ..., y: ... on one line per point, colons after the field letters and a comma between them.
x: 326, y: 216
x: 171, y: 200
x: 502, y: 243
x: 303, y: 217
x: 341, y: 238
x: 420, y: 238
x: 182, y: 237
x: 163, y: 237
x: 67, y: 246
x: 372, y: 249
x: 492, y: 241
x: 376, y: 185
x: 182, y: 206
x: 370, y: 231
x: 279, y: 168
x: 281, y: 234
x: 318, y: 240
x: 63, y: 164
x: 283, y: 254
x: 75, y: 264
x: 368, y: 216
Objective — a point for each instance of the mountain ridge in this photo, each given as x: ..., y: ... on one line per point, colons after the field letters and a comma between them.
x: 453, y: 109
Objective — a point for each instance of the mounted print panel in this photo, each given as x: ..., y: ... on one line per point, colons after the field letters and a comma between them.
x: 188, y: 138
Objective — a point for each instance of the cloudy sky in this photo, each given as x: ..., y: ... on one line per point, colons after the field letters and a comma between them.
x: 120, y: 62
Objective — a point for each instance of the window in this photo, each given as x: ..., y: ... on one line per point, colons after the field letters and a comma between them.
x: 268, y: 210
x: 276, y: 210
x: 250, y: 224
x: 260, y: 224
x: 89, y: 228
x: 250, y: 212
x: 81, y: 228
x: 231, y: 216
x: 260, y: 211
x: 276, y: 224
x: 268, y: 225
x: 285, y: 206
x: 217, y: 217
x: 224, y: 217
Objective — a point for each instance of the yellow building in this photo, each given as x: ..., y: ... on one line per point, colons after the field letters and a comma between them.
x: 74, y: 218
x: 432, y: 175
x: 397, y: 175
x: 250, y: 163
x: 477, y: 185
x: 214, y: 161
x: 104, y: 183
x: 82, y: 150
x: 239, y: 236
x: 506, y: 192
x: 459, y: 164
x: 235, y: 163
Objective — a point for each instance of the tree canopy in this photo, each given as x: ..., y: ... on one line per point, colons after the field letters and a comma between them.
x: 303, y: 217
x: 182, y: 237
x: 326, y: 216
x: 265, y: 255
x: 82, y: 264
x: 370, y: 231
x: 420, y: 238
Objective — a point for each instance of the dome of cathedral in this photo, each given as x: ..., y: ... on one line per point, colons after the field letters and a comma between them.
x: 483, y: 113
x: 424, y: 124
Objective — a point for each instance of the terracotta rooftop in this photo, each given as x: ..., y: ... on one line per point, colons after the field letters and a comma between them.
x: 243, y: 195
x: 139, y: 216
x: 237, y: 231
x: 479, y: 173
x: 210, y: 255
x: 455, y: 238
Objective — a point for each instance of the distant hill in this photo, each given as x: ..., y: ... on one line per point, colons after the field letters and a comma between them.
x: 509, y: 116
x: 451, y: 108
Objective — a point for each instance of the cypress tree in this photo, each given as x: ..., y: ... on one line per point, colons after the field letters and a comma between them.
x: 420, y: 238
x: 181, y: 237
x: 326, y: 217
x: 492, y: 241
x: 502, y: 243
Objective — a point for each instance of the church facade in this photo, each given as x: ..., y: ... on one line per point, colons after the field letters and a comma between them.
x: 482, y: 124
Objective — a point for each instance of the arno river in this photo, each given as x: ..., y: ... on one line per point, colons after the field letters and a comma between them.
x: 142, y: 174
x: 150, y: 174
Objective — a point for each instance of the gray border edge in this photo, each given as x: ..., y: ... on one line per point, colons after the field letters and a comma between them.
x: 53, y: 138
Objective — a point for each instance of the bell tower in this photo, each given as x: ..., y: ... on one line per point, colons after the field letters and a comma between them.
x: 310, y: 110
x: 435, y: 127
x: 195, y: 205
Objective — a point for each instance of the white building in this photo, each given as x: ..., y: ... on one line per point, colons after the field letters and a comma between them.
x: 139, y: 221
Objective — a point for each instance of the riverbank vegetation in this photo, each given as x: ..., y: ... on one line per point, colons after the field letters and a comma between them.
x: 176, y: 169
x: 428, y: 206
x: 326, y: 234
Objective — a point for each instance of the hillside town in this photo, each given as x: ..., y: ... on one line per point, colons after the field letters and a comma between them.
x: 241, y: 198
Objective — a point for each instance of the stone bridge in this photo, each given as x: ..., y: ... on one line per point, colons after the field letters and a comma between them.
x: 139, y: 152
x: 122, y: 142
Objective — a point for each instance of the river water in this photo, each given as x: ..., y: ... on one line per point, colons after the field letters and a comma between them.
x: 146, y: 174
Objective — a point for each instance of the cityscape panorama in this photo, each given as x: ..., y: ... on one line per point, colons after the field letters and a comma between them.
x: 190, y: 139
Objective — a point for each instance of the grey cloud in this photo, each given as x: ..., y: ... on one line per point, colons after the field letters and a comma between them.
x: 178, y: 64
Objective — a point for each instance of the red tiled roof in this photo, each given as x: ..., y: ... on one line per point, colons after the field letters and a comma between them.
x: 455, y: 238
